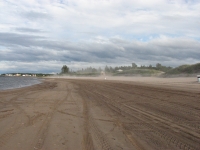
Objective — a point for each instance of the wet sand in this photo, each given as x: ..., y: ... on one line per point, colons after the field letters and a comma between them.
x: 116, y: 113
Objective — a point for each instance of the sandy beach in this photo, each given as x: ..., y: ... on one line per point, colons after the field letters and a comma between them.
x: 141, y: 113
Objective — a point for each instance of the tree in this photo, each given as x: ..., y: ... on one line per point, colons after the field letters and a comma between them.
x: 99, y: 70
x: 64, y: 69
x: 158, y: 66
x: 134, y: 65
x: 107, y: 69
x: 111, y: 69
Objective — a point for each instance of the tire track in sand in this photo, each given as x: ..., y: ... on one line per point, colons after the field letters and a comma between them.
x: 91, y: 128
x: 43, y: 130
x: 171, y: 138
x: 128, y: 135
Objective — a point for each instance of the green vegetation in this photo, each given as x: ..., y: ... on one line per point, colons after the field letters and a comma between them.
x: 185, y: 69
x: 89, y: 72
x: 134, y: 70
x: 83, y: 72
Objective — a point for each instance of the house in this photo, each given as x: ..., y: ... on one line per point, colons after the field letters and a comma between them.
x: 119, y: 70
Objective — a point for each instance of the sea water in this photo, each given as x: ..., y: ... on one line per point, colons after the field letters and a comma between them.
x: 17, y: 82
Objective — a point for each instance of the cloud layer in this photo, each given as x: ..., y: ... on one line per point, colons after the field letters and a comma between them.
x: 41, y: 36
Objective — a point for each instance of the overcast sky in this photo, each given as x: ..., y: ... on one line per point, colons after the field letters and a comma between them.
x: 44, y: 35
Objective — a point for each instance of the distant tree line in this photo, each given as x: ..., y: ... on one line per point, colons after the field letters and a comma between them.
x: 109, y: 69
x: 158, y: 66
x: 66, y: 70
x: 90, y: 70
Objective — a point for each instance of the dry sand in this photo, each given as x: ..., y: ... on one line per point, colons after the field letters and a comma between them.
x: 116, y: 113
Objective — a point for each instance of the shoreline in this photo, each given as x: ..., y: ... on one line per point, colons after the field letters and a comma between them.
x: 181, y: 83
x: 39, y: 81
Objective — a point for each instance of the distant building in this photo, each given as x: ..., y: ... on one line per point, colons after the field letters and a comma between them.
x: 26, y: 75
x: 119, y: 70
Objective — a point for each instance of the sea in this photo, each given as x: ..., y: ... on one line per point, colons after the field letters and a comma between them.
x: 17, y: 82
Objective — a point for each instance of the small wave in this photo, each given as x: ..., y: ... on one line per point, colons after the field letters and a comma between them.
x: 17, y: 82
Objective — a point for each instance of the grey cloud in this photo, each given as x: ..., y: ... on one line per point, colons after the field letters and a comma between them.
x: 29, y: 48
x: 29, y: 30
x: 88, y: 29
x: 104, y: 54
x: 8, y: 39
x: 33, y: 15
x: 24, y: 40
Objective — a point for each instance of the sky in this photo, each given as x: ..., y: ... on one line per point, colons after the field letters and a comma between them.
x: 43, y: 35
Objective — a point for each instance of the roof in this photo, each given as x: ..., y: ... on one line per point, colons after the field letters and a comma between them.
x: 120, y: 70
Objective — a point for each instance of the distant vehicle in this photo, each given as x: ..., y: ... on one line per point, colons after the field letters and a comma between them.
x: 198, y: 78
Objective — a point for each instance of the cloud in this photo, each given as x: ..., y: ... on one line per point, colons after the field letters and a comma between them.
x: 30, y: 30
x: 85, y: 32
x: 8, y: 39
x: 34, y: 15
x: 33, y: 49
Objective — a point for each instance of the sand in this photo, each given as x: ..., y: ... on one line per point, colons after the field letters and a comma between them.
x: 93, y: 113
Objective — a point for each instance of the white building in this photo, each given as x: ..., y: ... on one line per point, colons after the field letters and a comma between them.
x: 119, y: 70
